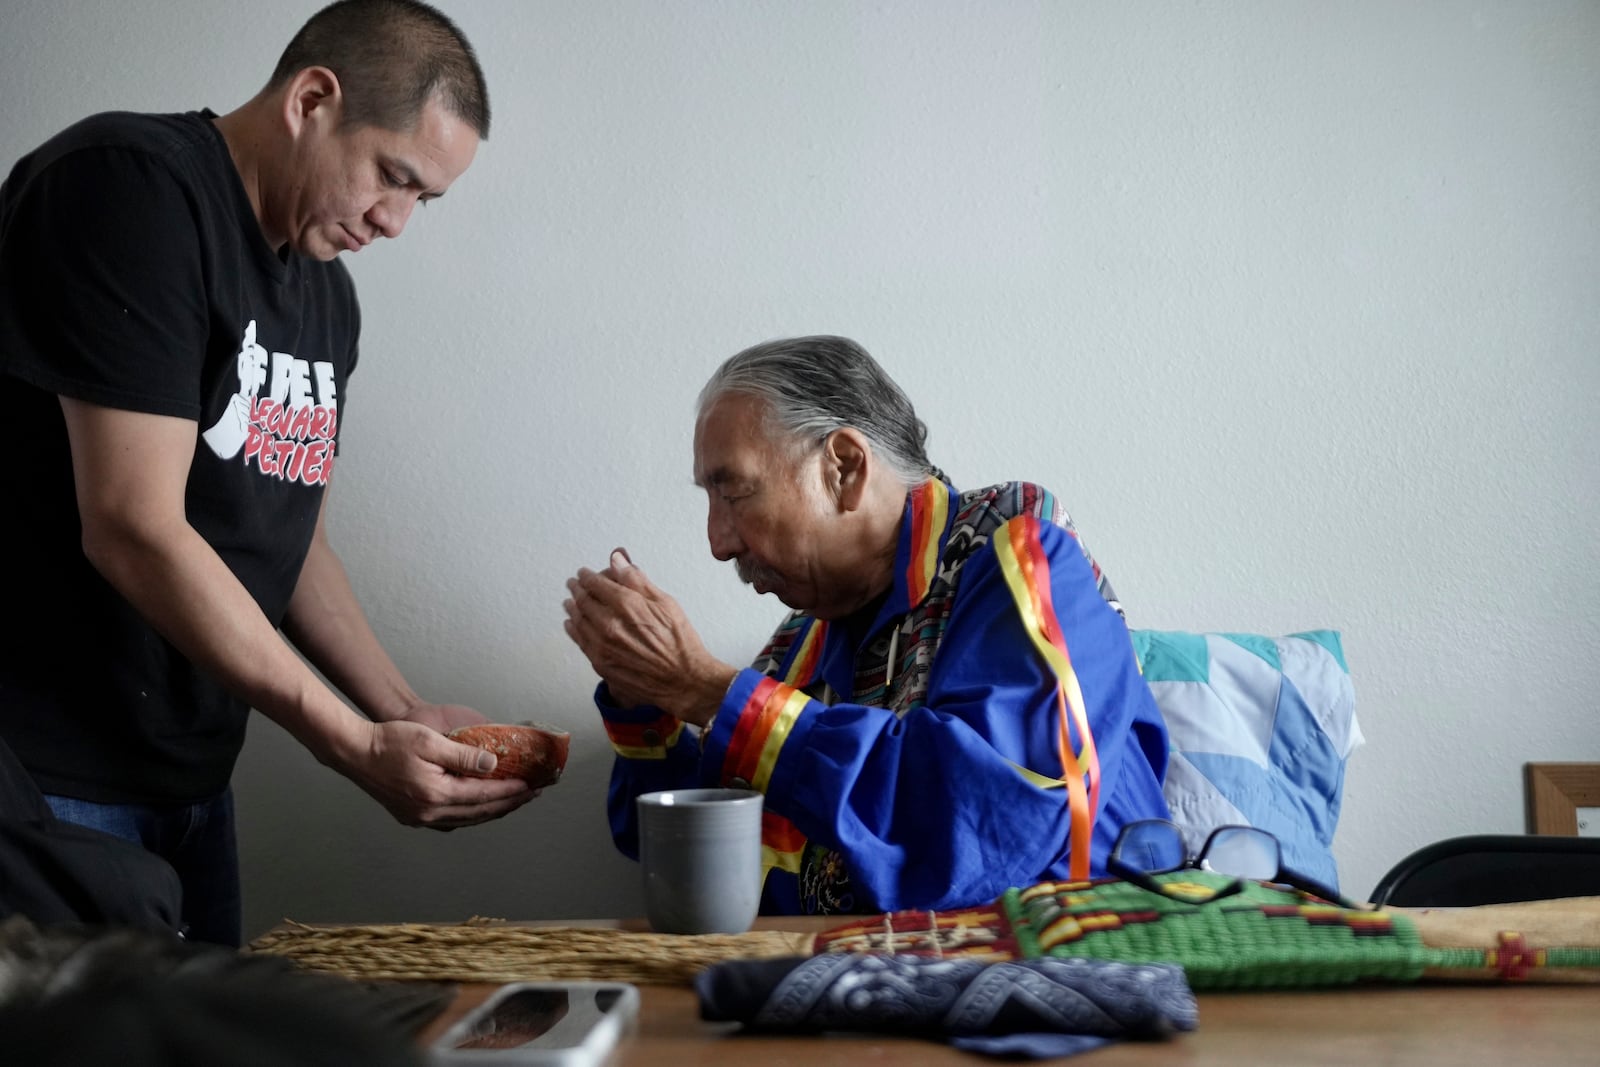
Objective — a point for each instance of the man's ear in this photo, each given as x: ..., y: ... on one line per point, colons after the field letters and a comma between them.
x: 313, y: 98
x: 848, y: 461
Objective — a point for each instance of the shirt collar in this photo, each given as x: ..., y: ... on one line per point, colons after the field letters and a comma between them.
x: 930, y: 510
x: 925, y: 523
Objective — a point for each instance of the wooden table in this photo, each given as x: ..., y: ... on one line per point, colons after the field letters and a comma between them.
x: 1373, y: 1026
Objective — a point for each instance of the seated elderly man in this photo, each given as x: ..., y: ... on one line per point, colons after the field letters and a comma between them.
x: 952, y: 708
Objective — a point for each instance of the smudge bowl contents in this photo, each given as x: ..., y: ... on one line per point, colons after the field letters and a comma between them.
x: 534, y: 752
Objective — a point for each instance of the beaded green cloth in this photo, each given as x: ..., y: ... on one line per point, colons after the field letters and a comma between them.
x: 1265, y: 937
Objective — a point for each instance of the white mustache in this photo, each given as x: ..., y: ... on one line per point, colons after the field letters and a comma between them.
x: 750, y: 573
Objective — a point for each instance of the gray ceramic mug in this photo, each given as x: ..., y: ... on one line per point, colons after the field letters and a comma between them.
x: 700, y: 852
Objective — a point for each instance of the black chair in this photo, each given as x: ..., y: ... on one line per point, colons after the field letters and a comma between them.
x: 1493, y: 869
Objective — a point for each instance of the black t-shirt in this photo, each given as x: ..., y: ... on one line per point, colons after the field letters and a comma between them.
x: 134, y: 275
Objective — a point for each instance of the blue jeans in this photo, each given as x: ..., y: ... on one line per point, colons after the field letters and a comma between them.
x: 197, y: 839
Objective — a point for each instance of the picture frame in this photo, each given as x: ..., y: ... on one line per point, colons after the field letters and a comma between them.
x: 1555, y: 791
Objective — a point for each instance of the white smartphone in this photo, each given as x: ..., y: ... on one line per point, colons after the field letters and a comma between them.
x: 541, y: 1024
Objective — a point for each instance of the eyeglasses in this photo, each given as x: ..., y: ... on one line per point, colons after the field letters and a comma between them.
x: 1155, y: 846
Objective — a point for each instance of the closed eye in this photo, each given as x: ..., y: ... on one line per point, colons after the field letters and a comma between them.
x: 397, y: 175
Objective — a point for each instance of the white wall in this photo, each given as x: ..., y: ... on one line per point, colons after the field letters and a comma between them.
x: 1297, y: 305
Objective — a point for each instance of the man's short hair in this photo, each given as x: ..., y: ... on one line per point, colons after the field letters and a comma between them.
x: 816, y: 385
x: 391, y: 58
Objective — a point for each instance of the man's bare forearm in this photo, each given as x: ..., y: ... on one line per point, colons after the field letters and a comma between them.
x: 176, y: 581
x: 327, y: 624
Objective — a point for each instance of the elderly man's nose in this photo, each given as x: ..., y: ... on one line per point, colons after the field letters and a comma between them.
x: 725, y: 543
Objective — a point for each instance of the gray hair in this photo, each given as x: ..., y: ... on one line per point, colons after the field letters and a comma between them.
x: 816, y: 385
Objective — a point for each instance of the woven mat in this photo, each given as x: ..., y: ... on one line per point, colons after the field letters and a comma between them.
x: 490, y: 950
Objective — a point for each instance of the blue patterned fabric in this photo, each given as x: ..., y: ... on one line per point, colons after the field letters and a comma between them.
x: 1036, y: 1008
x: 1260, y: 729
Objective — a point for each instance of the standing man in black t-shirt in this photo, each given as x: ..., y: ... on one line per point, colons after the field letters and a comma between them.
x: 176, y: 340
